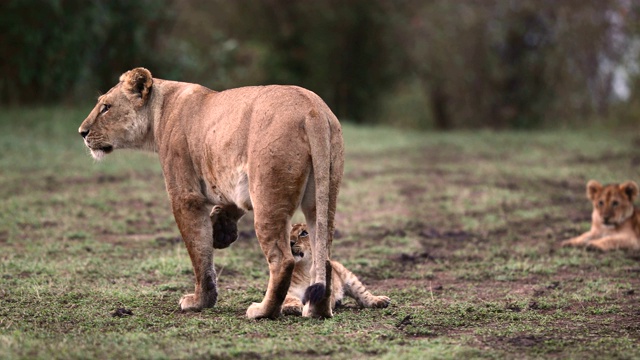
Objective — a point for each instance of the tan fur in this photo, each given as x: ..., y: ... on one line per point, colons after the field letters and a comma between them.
x: 343, y: 281
x: 615, y: 222
x: 270, y: 149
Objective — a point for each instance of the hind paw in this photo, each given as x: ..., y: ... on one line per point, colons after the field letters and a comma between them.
x: 381, y: 302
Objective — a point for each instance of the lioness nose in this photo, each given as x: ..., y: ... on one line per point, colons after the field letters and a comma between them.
x: 84, y: 133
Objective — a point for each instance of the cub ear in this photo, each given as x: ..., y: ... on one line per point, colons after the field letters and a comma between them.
x: 136, y: 84
x: 630, y: 188
x: 593, y: 187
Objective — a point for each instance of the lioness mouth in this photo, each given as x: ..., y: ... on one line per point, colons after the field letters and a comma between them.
x: 107, y: 149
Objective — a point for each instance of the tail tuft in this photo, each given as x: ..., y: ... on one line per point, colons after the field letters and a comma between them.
x: 314, y: 294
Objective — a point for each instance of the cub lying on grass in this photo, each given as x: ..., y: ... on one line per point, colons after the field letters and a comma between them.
x: 343, y: 282
x: 615, y: 222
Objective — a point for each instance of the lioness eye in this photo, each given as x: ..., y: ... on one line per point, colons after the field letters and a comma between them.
x: 600, y: 203
x: 304, y: 233
x: 615, y: 203
x: 105, y: 108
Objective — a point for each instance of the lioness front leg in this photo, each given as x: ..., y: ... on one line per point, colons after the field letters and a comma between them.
x: 195, y: 226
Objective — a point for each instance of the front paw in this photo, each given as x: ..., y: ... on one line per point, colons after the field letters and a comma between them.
x: 571, y: 242
x: 595, y: 247
x: 259, y: 311
x: 292, y: 307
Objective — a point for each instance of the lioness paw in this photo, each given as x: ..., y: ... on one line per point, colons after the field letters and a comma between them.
x: 259, y: 311
x: 215, y: 211
x: 189, y: 303
x: 319, y: 311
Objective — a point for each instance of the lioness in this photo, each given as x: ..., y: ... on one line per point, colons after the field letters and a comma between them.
x: 343, y: 282
x: 270, y: 149
x: 615, y: 222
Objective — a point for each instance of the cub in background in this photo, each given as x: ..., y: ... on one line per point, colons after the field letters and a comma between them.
x: 343, y: 282
x: 615, y: 222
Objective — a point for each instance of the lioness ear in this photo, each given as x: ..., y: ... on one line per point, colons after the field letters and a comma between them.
x: 593, y: 187
x: 136, y: 85
x: 630, y: 188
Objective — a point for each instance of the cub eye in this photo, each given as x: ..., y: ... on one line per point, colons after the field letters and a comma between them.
x: 600, y: 203
x: 304, y: 233
x: 105, y: 108
x: 614, y: 203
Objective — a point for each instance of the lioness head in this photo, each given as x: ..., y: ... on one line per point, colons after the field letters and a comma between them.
x: 119, y: 119
x: 299, y: 238
x: 614, y: 202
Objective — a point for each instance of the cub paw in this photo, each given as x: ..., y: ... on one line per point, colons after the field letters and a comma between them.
x: 292, y: 307
x: 259, y: 311
x: 381, y: 302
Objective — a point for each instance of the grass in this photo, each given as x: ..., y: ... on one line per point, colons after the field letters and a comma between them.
x: 460, y: 229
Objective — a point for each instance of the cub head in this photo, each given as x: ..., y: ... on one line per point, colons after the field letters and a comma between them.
x: 119, y: 119
x: 300, y: 246
x: 614, y: 202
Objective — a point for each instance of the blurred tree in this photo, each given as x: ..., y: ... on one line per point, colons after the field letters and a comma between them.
x: 500, y: 63
x: 49, y: 46
x: 339, y: 49
x: 490, y: 63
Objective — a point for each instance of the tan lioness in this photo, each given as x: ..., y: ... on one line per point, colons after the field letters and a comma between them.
x: 270, y: 149
x: 615, y: 222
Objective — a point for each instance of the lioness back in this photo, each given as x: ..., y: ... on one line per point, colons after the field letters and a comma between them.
x: 343, y: 282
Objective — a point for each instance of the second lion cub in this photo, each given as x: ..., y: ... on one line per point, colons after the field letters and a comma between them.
x: 343, y: 281
x: 615, y: 222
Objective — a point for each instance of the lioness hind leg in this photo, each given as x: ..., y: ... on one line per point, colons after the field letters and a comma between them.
x: 321, y: 308
x: 317, y: 298
x: 273, y: 236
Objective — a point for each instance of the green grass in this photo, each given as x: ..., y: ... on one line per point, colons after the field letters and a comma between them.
x: 460, y: 229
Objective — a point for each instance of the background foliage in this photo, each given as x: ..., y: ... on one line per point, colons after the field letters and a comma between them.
x: 426, y: 64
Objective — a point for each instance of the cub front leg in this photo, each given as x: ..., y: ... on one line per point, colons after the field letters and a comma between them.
x: 580, y: 240
x: 613, y: 243
x: 193, y: 220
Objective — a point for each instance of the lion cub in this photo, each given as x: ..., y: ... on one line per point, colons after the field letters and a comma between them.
x: 615, y: 222
x: 343, y: 281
